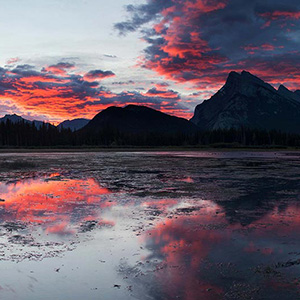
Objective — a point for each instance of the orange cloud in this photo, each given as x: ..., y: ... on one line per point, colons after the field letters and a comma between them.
x: 56, y: 94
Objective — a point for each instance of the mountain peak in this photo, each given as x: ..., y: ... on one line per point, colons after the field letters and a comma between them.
x: 74, y: 124
x: 12, y: 118
x: 244, y: 75
x: 232, y: 76
x: 250, y: 77
x: 232, y: 84
x: 247, y: 74
x: 283, y: 88
x: 285, y: 92
x: 137, y: 108
x: 12, y: 115
x: 244, y: 83
x: 138, y: 119
x: 134, y: 106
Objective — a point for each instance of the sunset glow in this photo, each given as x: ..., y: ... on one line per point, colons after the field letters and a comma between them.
x: 52, y: 202
x: 169, y: 55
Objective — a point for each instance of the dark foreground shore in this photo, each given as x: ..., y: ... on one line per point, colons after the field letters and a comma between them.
x: 144, y: 149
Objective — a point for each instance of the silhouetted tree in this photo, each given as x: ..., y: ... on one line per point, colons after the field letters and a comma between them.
x: 24, y: 134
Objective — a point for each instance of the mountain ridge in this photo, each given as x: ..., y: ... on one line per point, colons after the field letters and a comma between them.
x: 14, y: 118
x: 137, y: 119
x: 74, y: 124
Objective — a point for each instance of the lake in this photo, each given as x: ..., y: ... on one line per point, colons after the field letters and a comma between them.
x: 150, y: 225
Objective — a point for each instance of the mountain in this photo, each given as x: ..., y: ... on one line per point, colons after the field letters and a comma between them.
x: 16, y: 119
x: 283, y: 91
x: 247, y: 101
x: 136, y: 119
x: 73, y: 124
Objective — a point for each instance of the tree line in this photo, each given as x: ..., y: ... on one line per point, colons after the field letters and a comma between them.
x: 24, y: 134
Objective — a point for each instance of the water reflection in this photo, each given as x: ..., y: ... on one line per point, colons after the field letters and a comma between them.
x: 198, y: 254
x: 54, y: 202
x: 153, y: 226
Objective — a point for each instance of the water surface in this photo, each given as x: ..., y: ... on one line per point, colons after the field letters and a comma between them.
x: 165, y: 225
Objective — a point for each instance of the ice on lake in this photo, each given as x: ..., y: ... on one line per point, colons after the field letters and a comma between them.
x: 150, y: 225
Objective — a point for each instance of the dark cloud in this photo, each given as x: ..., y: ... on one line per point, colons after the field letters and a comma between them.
x: 59, y: 68
x: 141, y: 14
x: 110, y: 56
x: 163, y: 93
x: 24, y: 70
x: 201, y: 41
x: 98, y: 75
x: 63, y: 66
x: 129, y: 82
x: 162, y: 84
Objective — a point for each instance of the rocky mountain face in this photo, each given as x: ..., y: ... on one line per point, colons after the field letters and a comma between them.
x: 73, y: 124
x: 247, y: 101
x: 16, y: 119
x: 283, y: 91
x: 137, y: 120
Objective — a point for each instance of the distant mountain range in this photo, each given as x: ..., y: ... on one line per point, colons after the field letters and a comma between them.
x: 132, y: 119
x: 15, y: 119
x: 247, y: 101
x: 73, y: 124
x: 68, y: 124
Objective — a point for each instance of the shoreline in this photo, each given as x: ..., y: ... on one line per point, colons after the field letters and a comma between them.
x: 145, y: 149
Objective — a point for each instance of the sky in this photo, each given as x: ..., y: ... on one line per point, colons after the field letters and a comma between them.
x: 66, y: 59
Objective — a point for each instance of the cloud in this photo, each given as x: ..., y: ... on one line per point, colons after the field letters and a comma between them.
x: 162, y: 93
x: 264, y: 47
x: 162, y: 85
x: 12, y: 60
x: 98, y: 75
x: 129, y: 82
x: 60, y: 68
x: 201, y: 41
x: 275, y: 15
x: 110, y: 56
x: 58, y: 95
